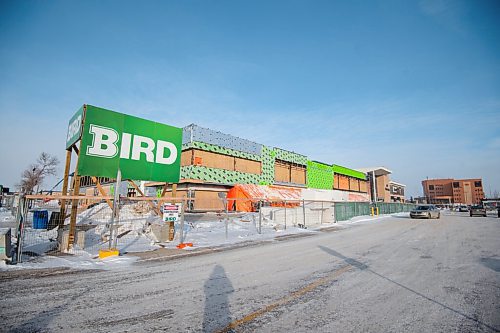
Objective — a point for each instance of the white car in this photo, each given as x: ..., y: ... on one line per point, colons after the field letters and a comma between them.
x: 425, y: 212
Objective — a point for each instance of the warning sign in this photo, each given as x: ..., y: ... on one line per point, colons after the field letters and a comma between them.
x: 171, y: 212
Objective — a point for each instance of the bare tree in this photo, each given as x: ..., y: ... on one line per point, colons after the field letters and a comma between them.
x: 33, y: 176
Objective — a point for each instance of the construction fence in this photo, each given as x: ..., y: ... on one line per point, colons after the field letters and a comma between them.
x: 313, y: 213
x: 45, y: 225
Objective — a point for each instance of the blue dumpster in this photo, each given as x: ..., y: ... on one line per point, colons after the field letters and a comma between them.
x: 40, y: 219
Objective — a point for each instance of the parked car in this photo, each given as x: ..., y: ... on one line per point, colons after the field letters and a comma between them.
x: 463, y: 209
x: 426, y: 212
x: 478, y: 210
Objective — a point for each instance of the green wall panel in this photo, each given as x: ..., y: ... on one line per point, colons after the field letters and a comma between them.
x: 319, y: 175
x: 348, y: 172
x: 289, y: 156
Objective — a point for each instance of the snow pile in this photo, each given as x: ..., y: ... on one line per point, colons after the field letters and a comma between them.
x: 83, y: 261
x: 206, y: 233
x: 132, y: 227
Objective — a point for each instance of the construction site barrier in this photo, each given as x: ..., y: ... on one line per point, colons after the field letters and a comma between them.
x: 97, y: 228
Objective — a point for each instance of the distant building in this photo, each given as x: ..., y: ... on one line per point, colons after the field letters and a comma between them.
x: 453, y: 191
x: 379, y: 185
x: 397, y: 191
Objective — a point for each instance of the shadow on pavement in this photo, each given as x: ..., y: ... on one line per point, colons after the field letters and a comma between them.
x: 366, y: 268
x: 401, y: 217
x: 217, y: 288
x: 491, y: 263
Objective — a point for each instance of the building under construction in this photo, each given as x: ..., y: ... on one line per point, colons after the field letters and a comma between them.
x: 214, y: 162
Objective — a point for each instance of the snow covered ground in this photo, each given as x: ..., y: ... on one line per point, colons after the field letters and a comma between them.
x: 135, y: 235
x: 5, y: 215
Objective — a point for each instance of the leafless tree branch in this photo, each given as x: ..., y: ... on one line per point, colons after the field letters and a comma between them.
x: 33, y: 176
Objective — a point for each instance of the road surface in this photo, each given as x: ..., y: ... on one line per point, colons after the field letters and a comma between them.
x: 391, y: 275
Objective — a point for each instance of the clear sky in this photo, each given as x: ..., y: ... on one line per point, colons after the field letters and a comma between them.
x: 410, y: 85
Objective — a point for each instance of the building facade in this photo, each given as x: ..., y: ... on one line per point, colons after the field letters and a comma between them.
x: 214, y: 162
x: 397, y: 191
x: 453, y: 191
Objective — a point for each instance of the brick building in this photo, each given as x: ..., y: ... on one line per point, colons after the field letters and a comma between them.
x: 381, y: 187
x: 453, y: 191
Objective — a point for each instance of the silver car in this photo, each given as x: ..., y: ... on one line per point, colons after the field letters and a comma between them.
x: 425, y: 212
x: 478, y: 210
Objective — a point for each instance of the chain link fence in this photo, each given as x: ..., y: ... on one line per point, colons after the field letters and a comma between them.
x: 315, y: 213
x: 136, y: 224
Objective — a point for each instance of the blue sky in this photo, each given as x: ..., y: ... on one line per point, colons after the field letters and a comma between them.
x: 410, y: 85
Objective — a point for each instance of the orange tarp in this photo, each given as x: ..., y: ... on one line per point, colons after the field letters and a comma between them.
x: 246, y: 195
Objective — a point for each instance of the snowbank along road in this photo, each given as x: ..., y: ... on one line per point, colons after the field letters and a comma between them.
x: 390, y: 275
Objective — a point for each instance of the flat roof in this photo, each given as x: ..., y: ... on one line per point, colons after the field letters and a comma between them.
x: 379, y: 171
x: 398, y: 184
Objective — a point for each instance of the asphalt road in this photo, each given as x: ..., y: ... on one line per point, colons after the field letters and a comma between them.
x: 392, y: 275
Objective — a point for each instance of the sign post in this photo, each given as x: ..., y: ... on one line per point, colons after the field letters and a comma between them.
x: 171, y: 215
x: 115, y: 212
x: 73, y: 136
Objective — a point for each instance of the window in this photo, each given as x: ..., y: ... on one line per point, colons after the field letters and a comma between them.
x: 431, y: 187
x: 477, y: 184
x: 456, y: 184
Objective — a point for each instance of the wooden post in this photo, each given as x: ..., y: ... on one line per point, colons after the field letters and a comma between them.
x: 62, y: 211
x: 174, y: 190
x: 156, y: 209
x: 101, y: 190
x: 165, y: 188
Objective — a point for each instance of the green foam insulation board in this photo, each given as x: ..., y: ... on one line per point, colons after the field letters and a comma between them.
x: 319, y: 175
x: 348, y: 172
